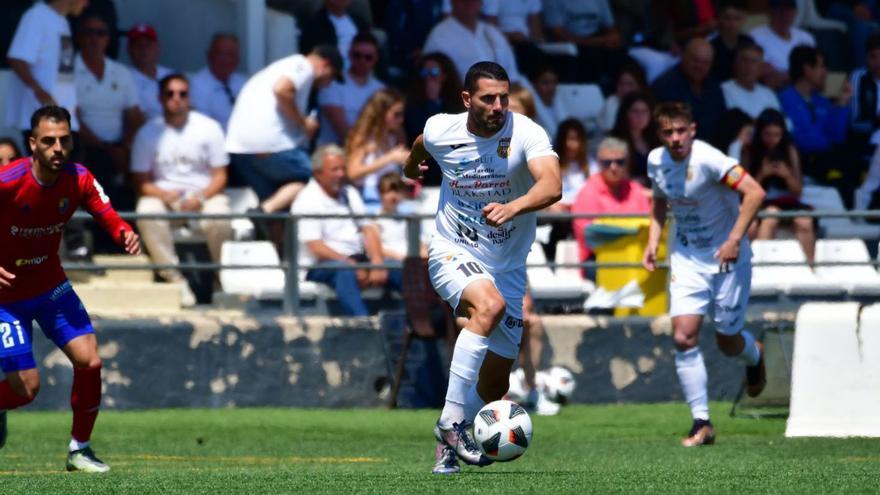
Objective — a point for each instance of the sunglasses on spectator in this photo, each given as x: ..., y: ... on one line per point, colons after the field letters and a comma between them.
x: 620, y: 162
x: 171, y: 93
x: 366, y: 57
x: 95, y: 32
x: 430, y: 72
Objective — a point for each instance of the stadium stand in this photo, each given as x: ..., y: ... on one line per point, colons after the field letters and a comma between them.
x: 792, y: 280
x: 859, y: 280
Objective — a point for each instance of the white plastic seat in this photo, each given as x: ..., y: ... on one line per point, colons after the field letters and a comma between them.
x: 828, y: 199
x: 262, y: 283
x: 583, y: 102
x: 858, y: 280
x: 240, y: 199
x: 567, y: 252
x: 798, y: 280
x: 544, y: 283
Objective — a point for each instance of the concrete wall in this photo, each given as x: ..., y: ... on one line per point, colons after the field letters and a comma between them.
x: 222, y: 360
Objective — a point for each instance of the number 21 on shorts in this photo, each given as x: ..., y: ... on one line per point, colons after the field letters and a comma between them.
x: 7, y: 336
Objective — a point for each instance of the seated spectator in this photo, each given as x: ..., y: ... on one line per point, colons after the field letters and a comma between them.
x: 550, y: 109
x: 861, y: 17
x: 778, y: 38
x: 9, y: 151
x: 179, y: 164
x: 589, y: 24
x: 684, y: 19
x: 341, y: 102
x: 143, y: 51
x: 216, y: 86
x: 609, y: 191
x: 773, y: 161
x: 522, y: 101
x: 744, y: 91
x: 376, y: 145
x: 407, y: 24
x: 573, y: 146
x: 865, y: 103
x: 332, y: 24
x: 635, y: 127
x: 465, y: 39
x: 734, y: 133
x: 392, y: 190
x: 339, y: 241
x: 630, y: 80
x: 818, y: 124
x: 727, y: 39
x: 269, y: 131
x: 690, y: 82
x: 520, y: 21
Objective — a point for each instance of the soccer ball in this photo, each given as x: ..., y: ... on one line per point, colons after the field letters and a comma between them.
x: 503, y: 430
x: 558, y: 383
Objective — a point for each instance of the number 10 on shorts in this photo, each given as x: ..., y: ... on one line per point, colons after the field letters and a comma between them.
x: 7, y: 337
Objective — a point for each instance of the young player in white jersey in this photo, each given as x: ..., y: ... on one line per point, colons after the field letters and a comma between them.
x: 498, y: 169
x: 710, y: 258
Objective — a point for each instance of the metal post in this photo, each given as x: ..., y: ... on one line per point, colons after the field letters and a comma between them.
x: 413, y: 236
x: 291, y: 279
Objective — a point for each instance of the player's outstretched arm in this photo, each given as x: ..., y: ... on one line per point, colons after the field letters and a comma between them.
x: 415, y: 167
x: 752, y: 198
x: 546, y: 190
x: 6, y: 279
x: 655, y: 232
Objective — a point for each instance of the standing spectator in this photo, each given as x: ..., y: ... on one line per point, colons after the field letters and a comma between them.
x: 728, y: 37
x: 465, y: 39
x: 332, y: 24
x: 550, y: 109
x: 376, y: 145
x: 635, y: 127
x: 9, y: 151
x: 865, y: 104
x: 435, y: 87
x: 143, y: 51
x: 744, y: 91
x: 589, y: 24
x: 215, y: 87
x: 342, y: 102
x: 690, y: 82
x: 269, y: 131
x: 41, y: 56
x: 778, y: 38
x: 520, y: 21
x: 630, y: 80
x: 339, y: 241
x: 179, y: 164
x: 108, y: 110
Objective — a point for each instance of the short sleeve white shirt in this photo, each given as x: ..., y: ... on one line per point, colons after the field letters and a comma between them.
x: 209, y: 95
x: 179, y: 159
x: 103, y: 102
x: 351, y: 97
x: 777, y: 49
x: 466, y: 47
x: 42, y: 39
x: 704, y: 208
x: 752, y: 102
x: 512, y: 15
x: 148, y: 90
x: 478, y: 171
x: 256, y: 124
x: 340, y: 234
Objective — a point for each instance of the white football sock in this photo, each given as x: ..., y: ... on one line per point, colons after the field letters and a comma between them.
x: 693, y: 378
x: 750, y: 354
x: 470, y: 349
x: 473, y: 403
x: 76, y: 445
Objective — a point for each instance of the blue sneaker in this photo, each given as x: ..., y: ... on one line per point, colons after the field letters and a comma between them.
x: 447, y: 462
x: 459, y: 439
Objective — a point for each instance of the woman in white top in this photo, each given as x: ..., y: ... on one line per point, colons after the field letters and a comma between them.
x: 375, y: 145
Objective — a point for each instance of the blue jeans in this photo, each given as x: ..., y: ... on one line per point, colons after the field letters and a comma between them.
x: 344, y: 282
x: 265, y: 173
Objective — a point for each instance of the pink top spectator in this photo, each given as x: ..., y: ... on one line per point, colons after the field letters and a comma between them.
x: 597, y: 197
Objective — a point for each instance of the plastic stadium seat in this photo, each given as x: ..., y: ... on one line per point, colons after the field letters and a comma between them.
x: 544, y: 283
x: 828, y: 199
x: 583, y: 102
x: 567, y: 252
x: 797, y: 280
x: 261, y: 283
x: 240, y: 199
x: 559, y: 48
x: 859, y: 280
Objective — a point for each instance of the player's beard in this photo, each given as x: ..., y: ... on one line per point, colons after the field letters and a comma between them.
x: 490, y: 123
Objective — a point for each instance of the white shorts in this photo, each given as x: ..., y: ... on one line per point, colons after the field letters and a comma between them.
x: 452, y: 269
x: 691, y: 292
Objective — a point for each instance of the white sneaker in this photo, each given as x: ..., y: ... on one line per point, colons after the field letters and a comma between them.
x: 546, y: 407
x: 187, y: 298
x: 86, y: 461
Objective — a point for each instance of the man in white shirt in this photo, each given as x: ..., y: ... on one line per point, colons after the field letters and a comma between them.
x: 498, y: 169
x: 335, y: 242
x: 710, y: 259
x: 465, y: 39
x: 520, y: 21
x: 744, y: 91
x: 268, y: 132
x: 179, y: 164
x: 143, y: 51
x: 341, y: 102
x: 215, y: 87
x: 777, y: 39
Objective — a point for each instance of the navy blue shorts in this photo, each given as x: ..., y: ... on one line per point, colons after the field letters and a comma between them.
x: 61, y: 316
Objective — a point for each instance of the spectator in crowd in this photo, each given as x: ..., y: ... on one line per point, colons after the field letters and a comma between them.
x: 342, y: 102
x: 334, y: 242
x: 333, y: 24
x: 465, y: 39
x: 435, y: 87
x: 734, y: 133
x: 407, y: 24
x: 573, y: 146
x: 865, y: 103
x: 630, y: 80
x: 862, y: 18
x: 179, y: 164
x: 9, y: 151
x: 269, y: 131
x: 727, y: 39
x: 682, y: 20
x: 215, y: 87
x: 744, y: 91
x: 818, y: 124
x: 778, y: 38
x: 589, y: 24
x: 392, y: 190
x: 376, y: 145
x: 867, y: 196
x: 773, y: 161
x: 143, y: 51
x: 522, y: 101
x: 635, y: 127
x: 690, y: 82
x: 609, y: 191
x: 550, y: 109
x: 108, y: 111
x: 520, y: 21
x: 41, y: 57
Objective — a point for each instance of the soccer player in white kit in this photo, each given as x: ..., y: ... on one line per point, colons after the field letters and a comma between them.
x: 710, y: 258
x: 498, y: 169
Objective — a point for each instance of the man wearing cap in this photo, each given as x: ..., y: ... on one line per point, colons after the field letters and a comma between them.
x: 777, y: 39
x: 143, y: 51
x: 268, y: 132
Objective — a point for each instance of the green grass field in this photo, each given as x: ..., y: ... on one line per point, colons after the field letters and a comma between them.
x: 601, y: 449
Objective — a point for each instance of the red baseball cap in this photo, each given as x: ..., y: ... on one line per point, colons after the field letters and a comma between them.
x: 142, y: 31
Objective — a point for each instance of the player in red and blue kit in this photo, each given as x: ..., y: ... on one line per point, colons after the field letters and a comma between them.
x: 38, y: 195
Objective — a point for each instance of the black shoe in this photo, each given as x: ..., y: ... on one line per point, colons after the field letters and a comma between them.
x: 702, y: 433
x: 3, y: 430
x: 756, y: 376
x: 262, y: 229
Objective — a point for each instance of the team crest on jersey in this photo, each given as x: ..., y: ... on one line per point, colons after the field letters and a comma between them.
x: 504, y: 147
x: 63, y: 204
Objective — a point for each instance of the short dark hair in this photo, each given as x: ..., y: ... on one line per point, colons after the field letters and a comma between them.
x: 672, y: 110
x: 49, y: 112
x: 391, y: 181
x: 484, y: 70
x: 873, y: 42
x: 745, y: 46
x: 165, y: 81
x: 330, y: 53
x: 801, y: 55
x: 366, y: 37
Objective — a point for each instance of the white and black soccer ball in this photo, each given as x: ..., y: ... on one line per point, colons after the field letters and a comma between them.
x: 503, y: 430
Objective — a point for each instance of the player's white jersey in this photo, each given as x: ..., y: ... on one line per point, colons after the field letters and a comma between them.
x: 478, y: 171
x: 705, y: 208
